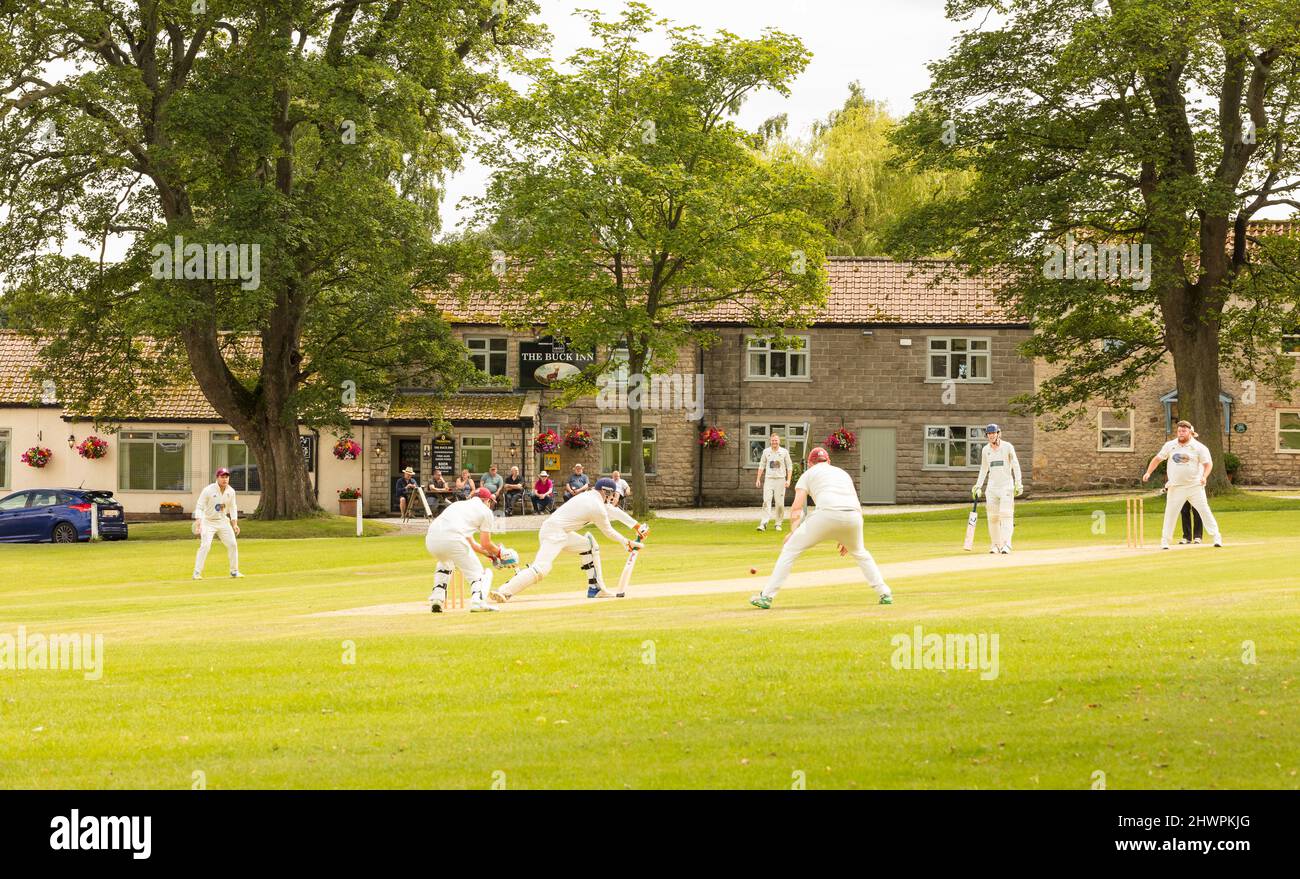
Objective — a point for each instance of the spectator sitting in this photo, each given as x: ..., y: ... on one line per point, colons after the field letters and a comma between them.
x: 406, y: 485
x: 439, y: 491
x: 493, y: 482
x: 624, y: 490
x: 513, y: 491
x: 577, y: 483
x: 543, y: 494
x: 464, y: 485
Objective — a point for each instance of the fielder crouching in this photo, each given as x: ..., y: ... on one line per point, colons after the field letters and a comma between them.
x: 450, y: 540
x: 838, y: 517
x: 559, y: 533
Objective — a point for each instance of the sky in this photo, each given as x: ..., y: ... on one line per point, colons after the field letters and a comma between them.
x: 884, y: 44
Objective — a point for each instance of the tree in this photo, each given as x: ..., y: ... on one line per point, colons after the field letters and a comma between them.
x: 635, y: 205
x: 852, y: 153
x: 1150, y: 132
x: 274, y: 169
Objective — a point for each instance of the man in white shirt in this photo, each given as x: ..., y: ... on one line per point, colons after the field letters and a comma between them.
x: 624, y: 490
x: 215, y: 514
x: 559, y: 533
x: 1000, y: 466
x: 774, y: 472
x: 1189, y: 467
x: 838, y: 517
x: 451, y: 541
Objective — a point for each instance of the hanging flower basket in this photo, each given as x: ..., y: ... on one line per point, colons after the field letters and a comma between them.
x: 842, y: 440
x: 547, y: 441
x: 347, y: 450
x: 577, y: 438
x: 37, y: 456
x: 92, y: 448
x: 713, y: 438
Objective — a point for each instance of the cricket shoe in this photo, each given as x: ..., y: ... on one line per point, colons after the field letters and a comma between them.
x: 478, y: 604
x: 1185, y: 540
x: 1218, y: 541
x: 498, y: 596
x: 1006, y: 550
x: 1196, y: 540
x: 198, y: 576
x: 778, y: 526
x: 761, y: 528
x: 435, y: 605
x: 761, y: 601
x: 886, y: 599
x: 236, y: 574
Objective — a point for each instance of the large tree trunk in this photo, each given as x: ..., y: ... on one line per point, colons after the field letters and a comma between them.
x: 635, y: 368
x: 286, y: 485
x: 1193, y: 340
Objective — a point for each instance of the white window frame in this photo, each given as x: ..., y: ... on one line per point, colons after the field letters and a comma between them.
x: 1101, y: 446
x: 124, y: 440
x: 652, y: 443
x: 783, y: 429
x: 474, y: 473
x: 484, y: 344
x: 231, y: 438
x: 1294, y: 338
x: 763, y: 345
x: 1278, y: 431
x: 975, y: 441
x: 6, y: 437
x: 947, y: 352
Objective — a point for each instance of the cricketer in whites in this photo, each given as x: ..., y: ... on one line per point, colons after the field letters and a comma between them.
x: 1189, y: 467
x: 774, y: 471
x: 215, y: 515
x: 838, y: 517
x: 1000, y: 466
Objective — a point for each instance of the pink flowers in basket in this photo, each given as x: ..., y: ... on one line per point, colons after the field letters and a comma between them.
x: 92, y: 447
x: 841, y: 440
x: 347, y: 449
x: 37, y: 456
x: 577, y: 438
x: 547, y: 441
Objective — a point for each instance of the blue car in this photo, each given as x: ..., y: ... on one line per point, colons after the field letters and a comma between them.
x: 60, y: 515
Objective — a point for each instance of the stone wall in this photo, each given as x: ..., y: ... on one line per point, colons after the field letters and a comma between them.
x: 1072, y: 460
x: 860, y: 381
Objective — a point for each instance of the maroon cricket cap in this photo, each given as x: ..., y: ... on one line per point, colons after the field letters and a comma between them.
x: 223, y: 472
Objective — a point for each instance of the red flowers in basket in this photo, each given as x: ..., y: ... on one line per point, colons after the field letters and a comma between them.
x: 547, y: 441
x: 349, y: 494
x: 347, y: 449
x: 577, y: 438
x: 842, y: 440
x: 713, y: 438
x: 92, y: 447
x: 37, y: 456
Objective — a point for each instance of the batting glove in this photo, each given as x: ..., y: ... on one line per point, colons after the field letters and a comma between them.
x: 633, y: 545
x: 1020, y: 489
x: 975, y: 493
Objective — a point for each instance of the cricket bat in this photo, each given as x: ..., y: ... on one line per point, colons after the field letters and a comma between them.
x: 626, y: 577
x: 971, y: 521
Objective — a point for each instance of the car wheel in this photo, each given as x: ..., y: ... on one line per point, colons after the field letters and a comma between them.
x: 64, y: 533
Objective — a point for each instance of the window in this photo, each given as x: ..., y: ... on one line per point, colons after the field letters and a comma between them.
x: 4, y: 458
x: 958, y: 358
x: 232, y: 453
x: 794, y: 438
x: 616, y: 449
x: 766, y: 362
x: 1288, y: 431
x: 1170, y: 401
x: 476, y: 454
x: 487, y: 354
x: 1114, y: 430
x: 1291, y: 344
x: 154, y: 460
x: 953, y: 447
x: 14, y: 502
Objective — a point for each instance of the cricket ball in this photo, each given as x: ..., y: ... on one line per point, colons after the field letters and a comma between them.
x: 753, y: 570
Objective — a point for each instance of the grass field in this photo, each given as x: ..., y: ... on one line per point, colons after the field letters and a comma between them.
x: 1131, y: 666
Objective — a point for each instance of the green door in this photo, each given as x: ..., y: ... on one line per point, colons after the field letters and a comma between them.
x: 876, y: 477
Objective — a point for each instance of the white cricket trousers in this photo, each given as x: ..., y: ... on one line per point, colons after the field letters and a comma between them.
x: 1001, y: 511
x: 453, y: 553
x: 841, y: 526
x: 552, y: 542
x: 773, y: 499
x: 207, y: 531
x: 1175, y: 497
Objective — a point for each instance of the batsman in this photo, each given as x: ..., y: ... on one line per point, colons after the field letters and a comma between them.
x: 560, y: 533
x: 1000, y: 466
